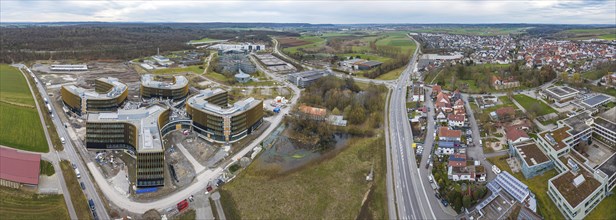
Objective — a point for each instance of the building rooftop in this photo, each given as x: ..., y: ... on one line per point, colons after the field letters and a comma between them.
x: 578, y: 123
x: 575, y: 187
x: 313, y: 111
x: 310, y: 74
x: 371, y: 63
x: 531, y: 154
x: 556, y: 137
x: 609, y: 166
x: 145, y: 119
x: 148, y: 81
x: 117, y: 90
x: 199, y: 101
x: 595, y: 101
x: 511, y: 185
x: 609, y: 116
x: 241, y: 74
x: 561, y: 91
x: 19, y: 166
x: 445, y: 132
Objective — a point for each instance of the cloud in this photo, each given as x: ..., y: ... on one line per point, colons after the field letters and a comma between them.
x: 336, y: 12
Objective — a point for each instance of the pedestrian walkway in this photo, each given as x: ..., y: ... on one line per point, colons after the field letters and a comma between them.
x: 203, y: 208
x: 219, y: 210
x: 198, y: 167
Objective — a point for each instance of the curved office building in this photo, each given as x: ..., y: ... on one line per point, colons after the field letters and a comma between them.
x: 177, y: 89
x: 215, y: 119
x: 137, y: 130
x: 108, y: 95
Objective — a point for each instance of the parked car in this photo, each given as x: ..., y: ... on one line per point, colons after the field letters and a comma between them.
x: 445, y: 203
x: 83, y: 186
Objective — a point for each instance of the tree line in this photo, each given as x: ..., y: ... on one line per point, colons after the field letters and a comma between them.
x: 110, y: 41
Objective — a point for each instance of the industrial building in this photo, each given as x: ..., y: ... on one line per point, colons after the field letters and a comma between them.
x: 303, y: 79
x: 177, y: 89
x: 18, y: 168
x: 108, y: 95
x: 64, y: 67
x: 561, y: 94
x: 136, y: 130
x: 275, y: 64
x: 213, y: 118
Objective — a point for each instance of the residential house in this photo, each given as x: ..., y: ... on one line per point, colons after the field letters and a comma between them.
x: 313, y: 113
x: 446, y: 147
x: 457, y: 160
x: 455, y: 120
x: 516, y: 135
x: 503, y: 114
x: 445, y: 134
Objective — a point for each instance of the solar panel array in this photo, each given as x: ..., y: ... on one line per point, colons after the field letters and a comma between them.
x: 513, y: 186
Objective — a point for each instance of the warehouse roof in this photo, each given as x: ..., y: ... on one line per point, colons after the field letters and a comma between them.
x: 19, y: 166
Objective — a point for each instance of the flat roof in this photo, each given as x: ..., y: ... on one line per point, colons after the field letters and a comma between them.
x: 145, y: 119
x: 609, y: 115
x: 562, y: 91
x: 531, y: 154
x: 148, y: 81
x: 596, y: 100
x: 199, y: 101
x: 578, y: 122
x: 19, y: 166
x: 609, y: 166
x: 270, y: 60
x: 555, y: 137
x: 117, y: 89
x: 574, y: 195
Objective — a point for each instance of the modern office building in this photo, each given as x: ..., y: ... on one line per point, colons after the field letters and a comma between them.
x: 583, y: 151
x: 108, y: 95
x: 533, y: 161
x: 151, y: 88
x: 561, y: 94
x: 216, y: 120
x: 136, y: 130
x: 303, y: 79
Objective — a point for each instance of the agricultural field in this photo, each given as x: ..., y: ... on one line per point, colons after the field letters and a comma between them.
x: 292, y: 45
x: 333, y: 188
x: 479, y: 31
x: 18, y: 204
x: 584, y: 34
x: 398, y: 39
x: 19, y: 120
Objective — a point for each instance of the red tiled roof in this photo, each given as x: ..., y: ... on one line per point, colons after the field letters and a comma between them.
x: 436, y: 89
x: 19, y: 166
x: 505, y: 110
x: 313, y: 111
x: 452, y: 117
x: 514, y: 134
x: 445, y: 132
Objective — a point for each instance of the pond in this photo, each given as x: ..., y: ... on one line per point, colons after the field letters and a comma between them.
x: 286, y: 154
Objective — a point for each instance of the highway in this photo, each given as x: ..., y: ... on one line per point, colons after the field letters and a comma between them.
x: 412, y: 200
x: 71, y: 153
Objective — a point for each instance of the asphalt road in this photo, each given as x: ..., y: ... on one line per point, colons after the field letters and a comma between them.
x: 71, y: 153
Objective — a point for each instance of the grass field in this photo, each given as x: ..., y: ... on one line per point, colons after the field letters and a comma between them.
x: 398, y: 39
x: 331, y: 189
x: 527, y: 102
x: 203, y: 40
x: 391, y: 75
x: 190, y: 214
x: 80, y: 203
x: 19, y: 121
x: 18, y: 204
x: 583, y: 34
x: 195, y: 69
x: 538, y: 185
x: 604, y: 209
x: 364, y: 56
x: 315, y: 41
x: 47, y: 168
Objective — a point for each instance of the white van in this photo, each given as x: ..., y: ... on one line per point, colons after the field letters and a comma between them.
x: 430, y: 178
x: 62, y: 140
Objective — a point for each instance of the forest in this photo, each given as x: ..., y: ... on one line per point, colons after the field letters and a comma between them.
x: 110, y: 41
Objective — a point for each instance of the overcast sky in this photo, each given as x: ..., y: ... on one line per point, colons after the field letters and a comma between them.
x: 333, y: 12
